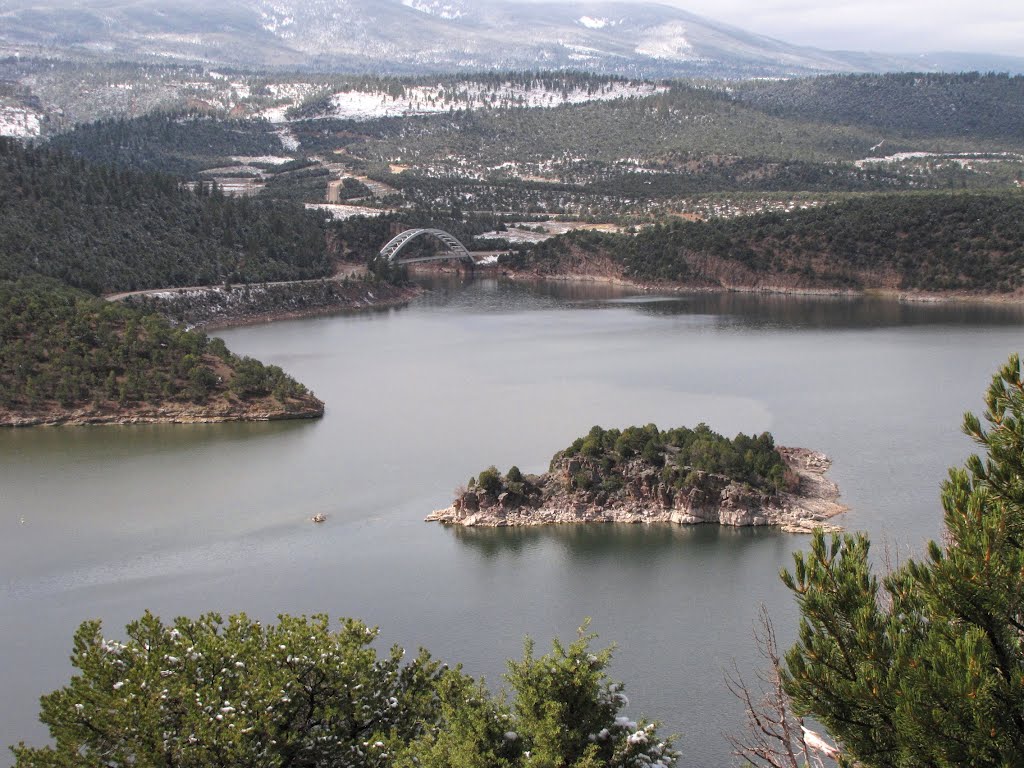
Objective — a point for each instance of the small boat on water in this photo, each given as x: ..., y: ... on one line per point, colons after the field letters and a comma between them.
x: 319, y: 517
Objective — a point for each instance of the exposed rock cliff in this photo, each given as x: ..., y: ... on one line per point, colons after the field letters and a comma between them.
x: 220, y: 306
x: 576, y: 491
x: 222, y: 409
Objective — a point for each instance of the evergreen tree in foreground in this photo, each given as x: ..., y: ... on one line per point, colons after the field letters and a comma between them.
x: 925, y: 667
x: 204, y: 693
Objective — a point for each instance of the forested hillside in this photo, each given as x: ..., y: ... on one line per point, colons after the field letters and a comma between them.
x: 180, y: 143
x: 816, y: 119
x: 684, y: 119
x: 540, y: 144
x: 928, y: 242
x: 105, y: 229
x: 68, y: 356
x: 985, y: 106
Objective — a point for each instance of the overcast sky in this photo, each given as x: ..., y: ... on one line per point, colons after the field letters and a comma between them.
x: 904, y: 26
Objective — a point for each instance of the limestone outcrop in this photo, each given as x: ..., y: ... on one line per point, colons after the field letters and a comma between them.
x: 575, y: 491
x: 217, y: 411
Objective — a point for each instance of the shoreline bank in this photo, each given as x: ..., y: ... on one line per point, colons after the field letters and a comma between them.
x: 108, y: 414
x: 220, y: 307
x: 891, y: 294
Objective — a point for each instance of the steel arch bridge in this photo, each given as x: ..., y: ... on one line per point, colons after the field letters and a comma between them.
x: 455, y: 249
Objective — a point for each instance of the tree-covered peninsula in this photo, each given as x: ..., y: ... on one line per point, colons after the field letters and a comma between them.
x: 70, y: 358
x: 646, y: 475
x: 964, y: 243
x: 71, y: 227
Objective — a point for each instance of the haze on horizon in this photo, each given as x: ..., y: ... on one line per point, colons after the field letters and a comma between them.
x: 874, y: 35
x: 890, y: 26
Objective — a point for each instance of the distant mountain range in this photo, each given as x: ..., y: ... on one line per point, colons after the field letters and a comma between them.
x: 410, y: 36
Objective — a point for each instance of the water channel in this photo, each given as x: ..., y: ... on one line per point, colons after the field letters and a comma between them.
x: 106, y: 522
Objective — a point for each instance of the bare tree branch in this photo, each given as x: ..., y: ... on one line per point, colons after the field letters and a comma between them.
x: 773, y: 736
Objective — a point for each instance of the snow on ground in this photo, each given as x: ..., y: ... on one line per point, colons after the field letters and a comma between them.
x: 727, y: 209
x: 292, y: 91
x: 523, y: 232
x: 233, y: 170
x: 276, y: 114
x: 289, y: 141
x: 597, y: 23
x: 421, y: 100
x: 341, y: 212
x: 667, y: 41
x: 277, y: 22
x: 235, y: 186
x: 582, y: 50
x: 19, y: 122
x: 434, y: 8
x: 515, y: 235
x: 899, y: 157
x: 962, y: 158
x: 262, y: 159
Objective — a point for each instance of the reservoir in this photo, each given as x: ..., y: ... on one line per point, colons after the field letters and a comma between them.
x: 106, y: 522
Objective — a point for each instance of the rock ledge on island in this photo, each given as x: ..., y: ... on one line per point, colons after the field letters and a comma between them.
x: 222, y: 410
x: 581, y: 489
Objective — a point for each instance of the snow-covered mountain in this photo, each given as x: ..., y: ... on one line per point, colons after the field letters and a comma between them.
x: 423, y: 35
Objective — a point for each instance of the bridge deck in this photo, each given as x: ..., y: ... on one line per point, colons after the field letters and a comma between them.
x: 456, y: 250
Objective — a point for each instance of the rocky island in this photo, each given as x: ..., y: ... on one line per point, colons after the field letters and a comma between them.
x: 645, y: 475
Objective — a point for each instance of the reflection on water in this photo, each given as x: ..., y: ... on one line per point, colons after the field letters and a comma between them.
x: 750, y: 310
x: 607, y: 541
x: 106, y: 522
x: 834, y: 313
x: 113, y: 442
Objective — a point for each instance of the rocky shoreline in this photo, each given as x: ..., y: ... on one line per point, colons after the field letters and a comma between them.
x: 667, y: 287
x: 603, y: 270
x: 809, y: 501
x: 263, y: 409
x: 215, y: 307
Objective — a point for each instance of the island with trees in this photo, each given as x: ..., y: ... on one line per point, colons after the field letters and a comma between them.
x: 646, y: 475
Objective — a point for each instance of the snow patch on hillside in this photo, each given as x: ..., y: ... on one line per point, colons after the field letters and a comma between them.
x: 262, y: 159
x: 582, y: 50
x: 19, y: 122
x: 278, y: 19
x: 667, y: 41
x: 342, y: 212
x: 964, y: 159
x: 422, y: 100
x: 434, y: 8
x: 591, y: 22
x: 292, y: 92
x: 289, y: 141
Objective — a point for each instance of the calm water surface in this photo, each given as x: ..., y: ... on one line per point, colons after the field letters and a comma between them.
x: 107, y: 522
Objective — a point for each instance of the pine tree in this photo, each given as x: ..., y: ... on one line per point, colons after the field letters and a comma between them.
x: 210, y: 693
x: 925, y: 667
x: 205, y: 692
x: 564, y: 713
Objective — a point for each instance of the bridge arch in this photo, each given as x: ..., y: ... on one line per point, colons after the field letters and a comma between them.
x: 455, y: 249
